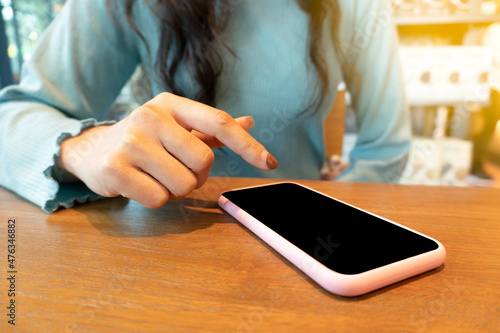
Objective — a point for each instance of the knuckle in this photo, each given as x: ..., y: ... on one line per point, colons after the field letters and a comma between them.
x: 110, y: 166
x: 130, y: 142
x: 144, y: 114
x: 165, y: 95
x: 206, y: 160
x: 209, y: 157
x: 188, y: 185
x: 165, y: 99
x: 159, y: 98
x: 157, y: 200
x: 223, y: 119
x: 248, y: 145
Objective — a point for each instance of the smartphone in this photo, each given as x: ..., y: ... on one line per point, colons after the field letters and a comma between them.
x: 345, y: 249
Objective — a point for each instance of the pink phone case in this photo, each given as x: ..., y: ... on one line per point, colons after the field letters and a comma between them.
x: 340, y: 284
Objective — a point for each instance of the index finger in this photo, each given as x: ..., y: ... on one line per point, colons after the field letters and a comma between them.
x: 222, y: 126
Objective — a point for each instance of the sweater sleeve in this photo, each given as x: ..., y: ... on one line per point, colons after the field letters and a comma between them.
x: 372, y: 72
x: 80, y: 65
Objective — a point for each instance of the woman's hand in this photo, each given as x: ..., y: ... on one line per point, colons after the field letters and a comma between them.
x: 162, y: 150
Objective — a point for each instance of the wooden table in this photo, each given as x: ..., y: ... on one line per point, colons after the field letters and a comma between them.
x: 114, y: 266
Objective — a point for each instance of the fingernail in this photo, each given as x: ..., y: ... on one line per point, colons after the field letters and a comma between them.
x: 271, y: 162
x: 251, y: 121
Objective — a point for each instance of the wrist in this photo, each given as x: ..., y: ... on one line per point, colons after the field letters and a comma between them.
x: 74, y: 151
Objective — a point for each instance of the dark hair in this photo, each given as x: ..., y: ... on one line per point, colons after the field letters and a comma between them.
x: 190, y: 27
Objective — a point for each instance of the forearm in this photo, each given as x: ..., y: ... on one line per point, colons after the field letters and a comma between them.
x: 376, y: 84
x: 29, y: 148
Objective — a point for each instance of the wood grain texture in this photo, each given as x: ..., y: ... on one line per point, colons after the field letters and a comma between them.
x: 115, y: 266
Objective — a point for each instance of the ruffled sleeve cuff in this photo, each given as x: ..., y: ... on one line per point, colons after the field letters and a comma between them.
x: 67, y: 194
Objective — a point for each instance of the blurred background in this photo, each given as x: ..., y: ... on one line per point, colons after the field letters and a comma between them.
x: 450, y: 55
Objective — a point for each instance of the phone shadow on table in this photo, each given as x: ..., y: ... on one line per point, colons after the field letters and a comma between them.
x: 121, y: 217
x: 387, y: 288
x: 183, y: 217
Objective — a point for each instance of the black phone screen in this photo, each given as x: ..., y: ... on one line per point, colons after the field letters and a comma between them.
x: 341, y: 237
